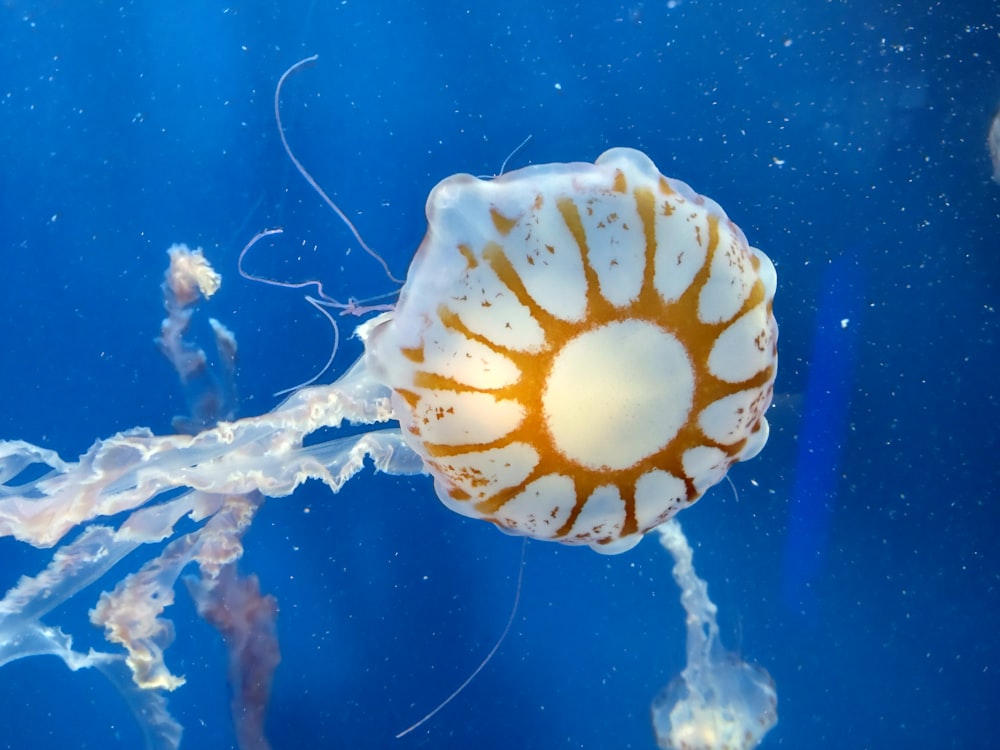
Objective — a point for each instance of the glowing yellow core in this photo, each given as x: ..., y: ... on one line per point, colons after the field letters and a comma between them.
x: 617, y: 394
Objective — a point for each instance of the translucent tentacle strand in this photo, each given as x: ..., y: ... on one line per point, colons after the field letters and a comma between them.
x: 263, y: 453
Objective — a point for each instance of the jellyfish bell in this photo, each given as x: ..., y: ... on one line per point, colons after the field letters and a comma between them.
x: 735, y: 719
x: 723, y: 704
x: 993, y: 143
x: 579, y: 350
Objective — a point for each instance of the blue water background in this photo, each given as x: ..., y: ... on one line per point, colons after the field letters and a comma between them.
x: 860, y: 563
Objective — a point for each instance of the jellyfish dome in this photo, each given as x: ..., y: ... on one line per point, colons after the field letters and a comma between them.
x: 580, y: 350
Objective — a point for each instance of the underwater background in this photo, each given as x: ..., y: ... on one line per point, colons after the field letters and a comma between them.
x: 859, y: 562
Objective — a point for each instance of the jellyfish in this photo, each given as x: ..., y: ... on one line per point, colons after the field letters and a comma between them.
x: 579, y: 351
x: 718, y: 702
x: 993, y: 142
